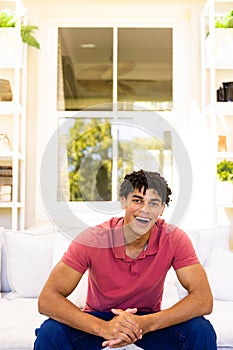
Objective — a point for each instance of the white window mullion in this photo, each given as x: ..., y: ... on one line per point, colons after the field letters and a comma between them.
x: 114, y: 161
x: 115, y: 64
x: 114, y: 125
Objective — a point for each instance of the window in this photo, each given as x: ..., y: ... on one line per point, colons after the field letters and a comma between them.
x: 100, y: 152
x: 105, y: 66
x: 111, y: 82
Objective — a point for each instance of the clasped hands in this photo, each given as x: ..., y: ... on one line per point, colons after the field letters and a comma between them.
x: 123, y: 329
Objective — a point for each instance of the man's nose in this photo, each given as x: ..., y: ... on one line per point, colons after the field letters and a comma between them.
x: 145, y: 207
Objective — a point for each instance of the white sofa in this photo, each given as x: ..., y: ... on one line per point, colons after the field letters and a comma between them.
x: 27, y: 258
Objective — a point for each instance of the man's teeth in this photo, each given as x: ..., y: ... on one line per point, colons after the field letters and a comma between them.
x: 145, y: 220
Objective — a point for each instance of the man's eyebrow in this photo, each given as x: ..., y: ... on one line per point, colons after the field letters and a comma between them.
x: 136, y: 196
x: 155, y: 200
x: 152, y: 199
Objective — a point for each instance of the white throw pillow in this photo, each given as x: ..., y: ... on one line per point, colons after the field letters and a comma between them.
x: 29, y: 261
x: 219, y: 258
x: 210, y: 239
x: 219, y: 267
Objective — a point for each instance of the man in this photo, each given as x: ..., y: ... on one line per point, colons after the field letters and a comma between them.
x: 127, y: 260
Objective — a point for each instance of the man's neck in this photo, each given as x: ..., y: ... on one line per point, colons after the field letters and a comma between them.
x: 134, y: 249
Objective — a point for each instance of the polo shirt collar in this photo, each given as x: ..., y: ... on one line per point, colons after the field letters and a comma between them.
x: 118, y: 246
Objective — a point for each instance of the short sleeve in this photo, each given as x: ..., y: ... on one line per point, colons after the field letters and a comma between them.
x: 184, y: 252
x: 76, y: 257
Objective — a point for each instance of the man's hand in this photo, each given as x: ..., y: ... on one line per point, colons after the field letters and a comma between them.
x: 122, y: 329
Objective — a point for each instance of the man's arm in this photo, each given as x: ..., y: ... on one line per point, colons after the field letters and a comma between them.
x: 54, y: 304
x: 198, y: 302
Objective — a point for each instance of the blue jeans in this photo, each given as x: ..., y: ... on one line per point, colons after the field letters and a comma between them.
x: 195, y: 334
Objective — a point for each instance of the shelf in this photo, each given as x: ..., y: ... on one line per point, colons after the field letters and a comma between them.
x: 10, y: 108
x: 6, y: 155
x: 223, y: 66
x: 13, y: 117
x: 11, y: 155
x: 224, y: 155
x: 10, y: 205
x: 225, y: 108
x: 219, y: 49
x: 10, y: 66
x: 220, y: 108
x: 217, y: 67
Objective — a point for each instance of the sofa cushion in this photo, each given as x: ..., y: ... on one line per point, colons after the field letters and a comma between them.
x: 219, y: 267
x: 221, y: 319
x: 29, y: 261
x: 211, y: 238
x: 18, y: 332
x: 205, y: 241
x: 17, y: 327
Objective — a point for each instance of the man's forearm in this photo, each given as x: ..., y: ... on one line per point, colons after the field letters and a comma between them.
x: 62, y: 310
x: 187, y: 308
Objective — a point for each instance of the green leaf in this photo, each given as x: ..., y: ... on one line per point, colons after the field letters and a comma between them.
x: 224, y: 21
x: 27, y: 36
x: 230, y: 23
x: 225, y: 170
x: 8, y: 18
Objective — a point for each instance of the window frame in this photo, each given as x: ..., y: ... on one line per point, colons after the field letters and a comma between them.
x: 84, y: 207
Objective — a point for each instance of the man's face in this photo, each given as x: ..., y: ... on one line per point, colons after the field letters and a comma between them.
x: 141, y: 211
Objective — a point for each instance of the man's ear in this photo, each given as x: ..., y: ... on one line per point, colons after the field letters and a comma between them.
x: 123, y: 202
x: 162, y: 210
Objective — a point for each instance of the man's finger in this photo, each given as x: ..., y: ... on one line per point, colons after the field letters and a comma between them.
x: 132, y: 311
x: 117, y: 311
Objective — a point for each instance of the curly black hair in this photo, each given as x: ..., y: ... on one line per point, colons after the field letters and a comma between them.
x: 143, y: 180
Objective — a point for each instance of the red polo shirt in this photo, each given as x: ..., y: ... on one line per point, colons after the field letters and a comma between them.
x: 118, y: 281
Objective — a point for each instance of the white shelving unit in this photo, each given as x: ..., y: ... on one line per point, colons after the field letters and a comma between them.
x: 217, y: 67
x: 13, y: 124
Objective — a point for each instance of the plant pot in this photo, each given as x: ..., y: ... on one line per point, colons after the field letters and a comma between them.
x: 222, y: 49
x: 224, y: 193
x: 5, y: 90
x: 10, y: 47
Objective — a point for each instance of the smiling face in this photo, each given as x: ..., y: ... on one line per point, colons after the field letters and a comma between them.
x: 141, y: 212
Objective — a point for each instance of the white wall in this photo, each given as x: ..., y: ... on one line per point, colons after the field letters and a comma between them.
x: 188, y: 121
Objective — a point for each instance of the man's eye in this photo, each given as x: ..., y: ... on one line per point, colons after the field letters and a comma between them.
x: 154, y: 204
x: 136, y: 200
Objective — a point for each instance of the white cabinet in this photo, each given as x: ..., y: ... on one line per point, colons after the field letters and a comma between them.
x: 12, y: 123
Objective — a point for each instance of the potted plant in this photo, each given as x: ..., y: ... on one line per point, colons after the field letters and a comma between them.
x: 8, y: 19
x: 224, y: 185
x: 225, y: 170
x: 225, y: 21
x: 223, y: 45
x: 11, y: 36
